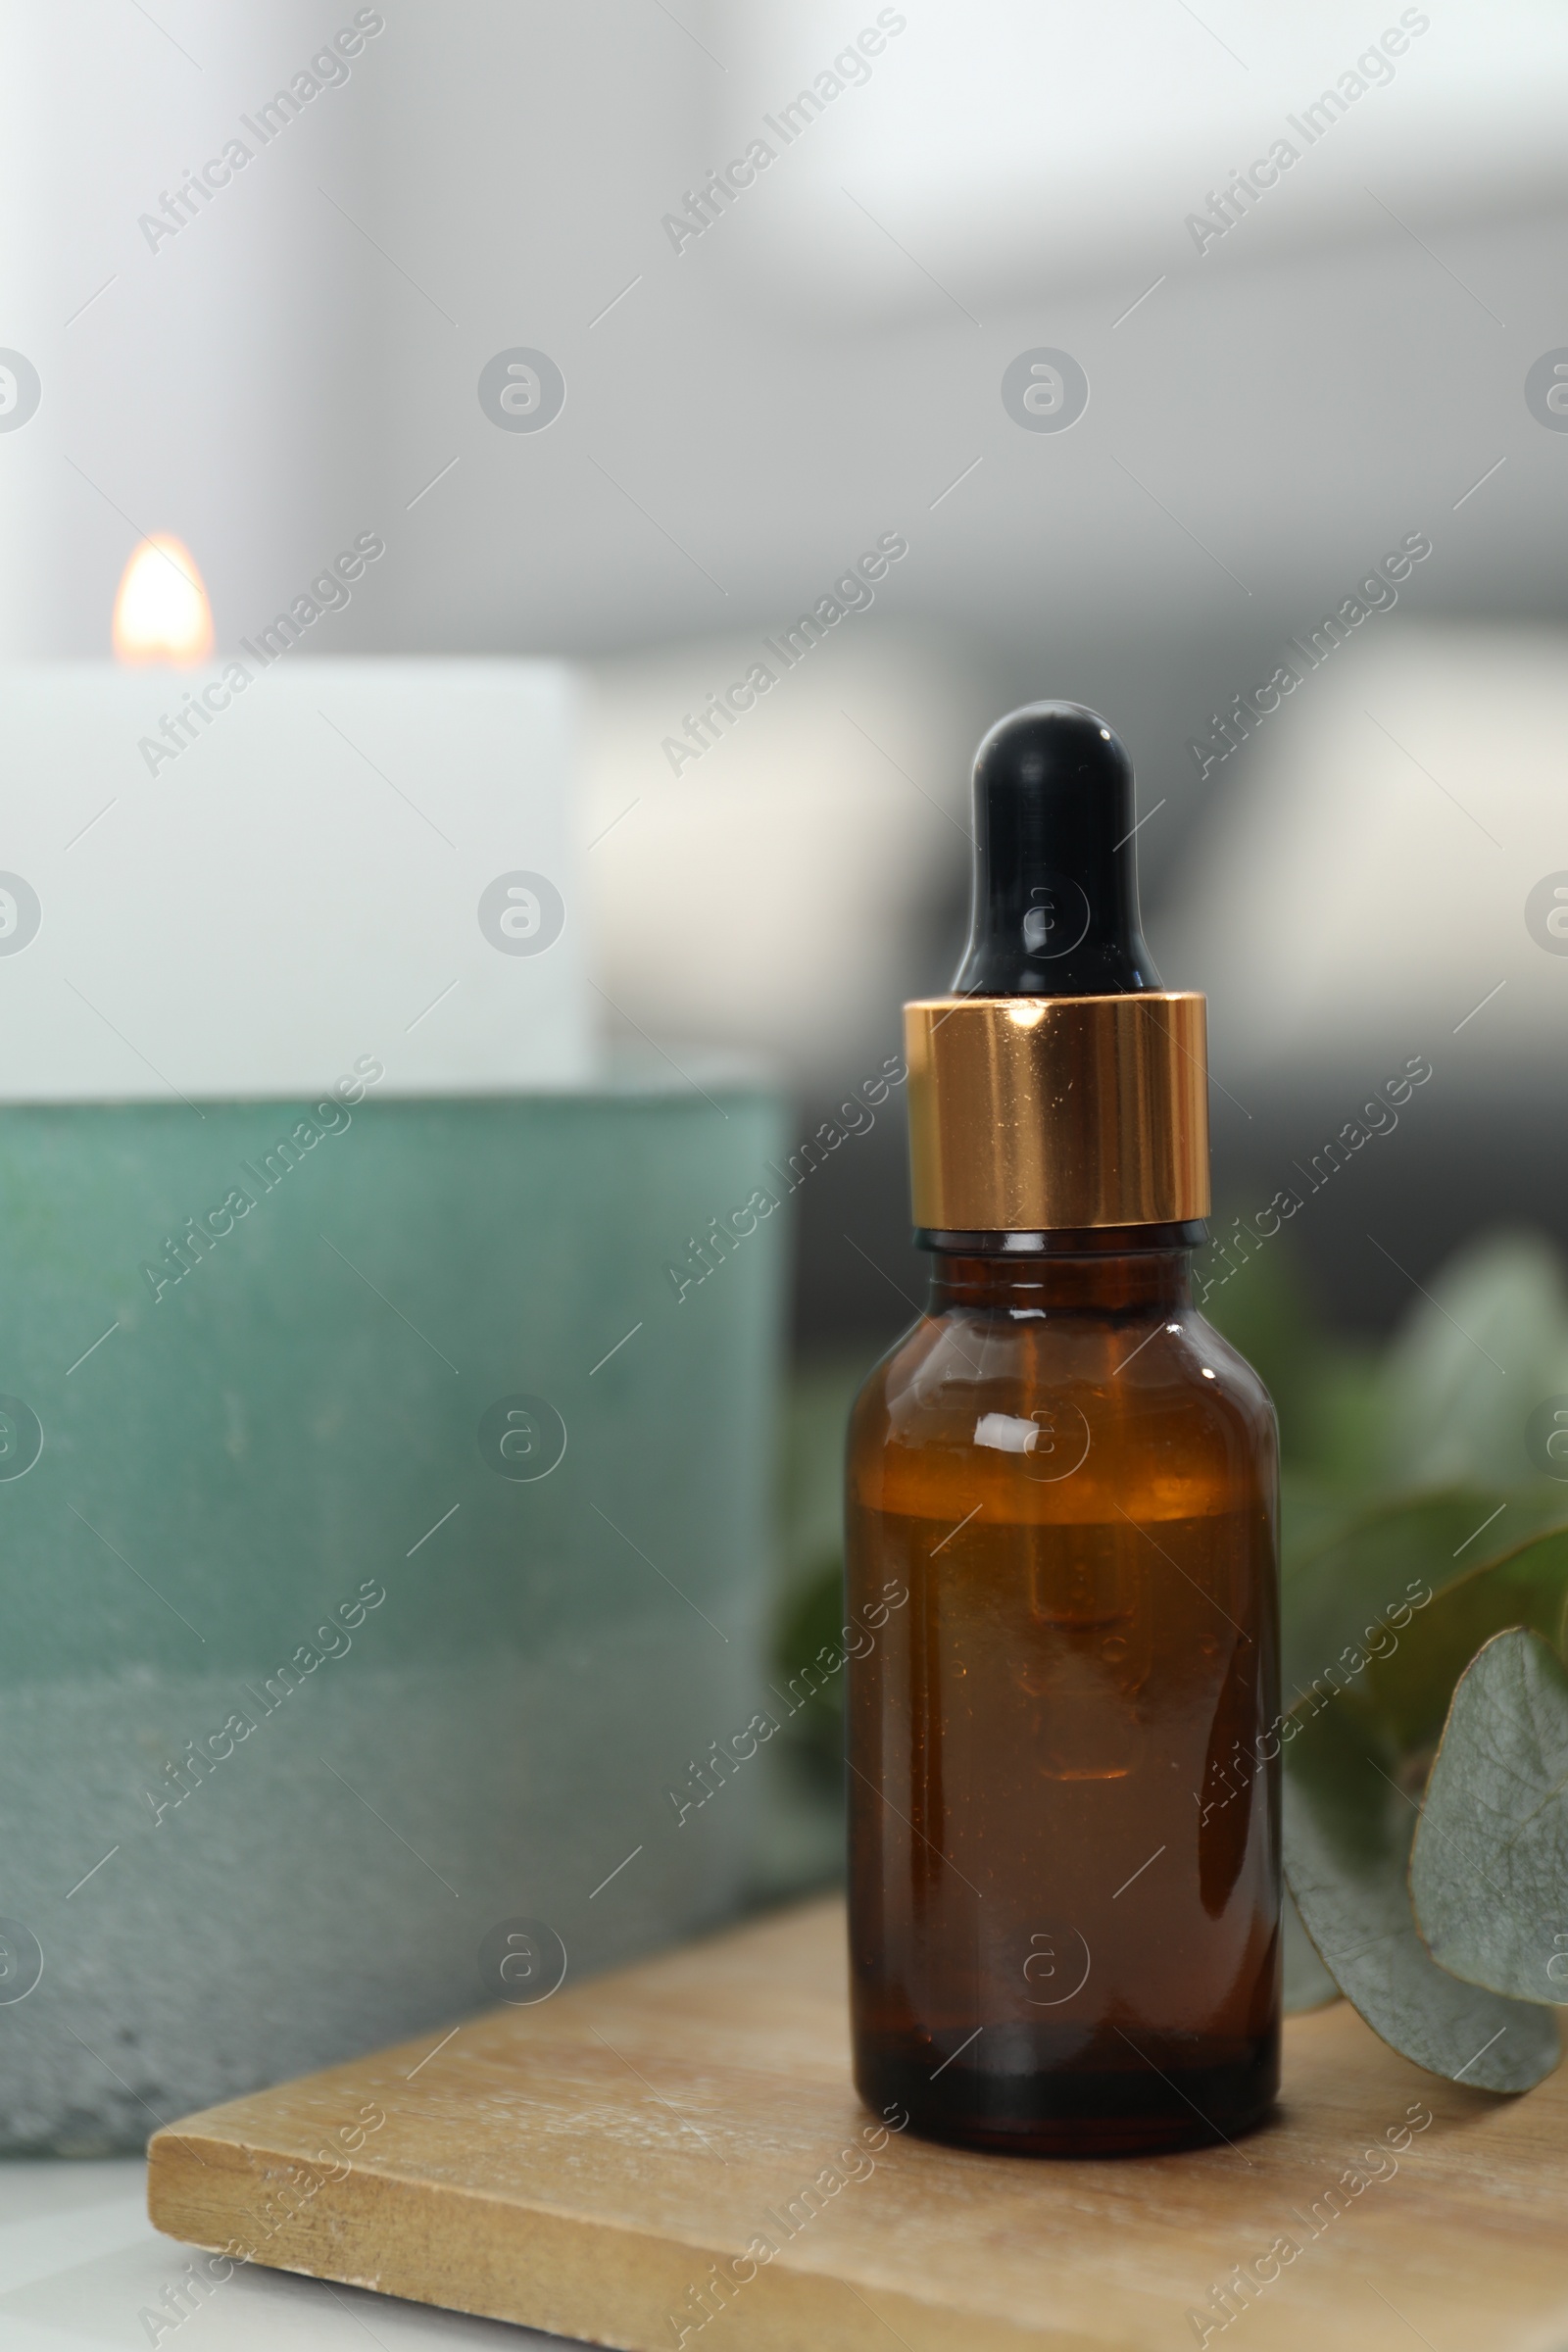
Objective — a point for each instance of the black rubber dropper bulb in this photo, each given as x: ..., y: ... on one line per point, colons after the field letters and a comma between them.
x: 1055, y: 876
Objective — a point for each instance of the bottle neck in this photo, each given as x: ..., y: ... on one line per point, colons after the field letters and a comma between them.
x: 1058, y: 1281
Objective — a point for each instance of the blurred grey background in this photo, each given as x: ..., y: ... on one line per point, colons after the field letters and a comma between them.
x: 1290, y: 378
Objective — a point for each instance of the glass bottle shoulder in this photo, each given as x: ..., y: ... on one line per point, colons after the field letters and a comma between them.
x: 1064, y: 1414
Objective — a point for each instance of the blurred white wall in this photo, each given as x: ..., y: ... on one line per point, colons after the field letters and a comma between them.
x: 780, y: 890
x: 823, y: 365
x: 193, y: 382
x: 826, y: 357
x: 1060, y: 144
x: 1378, y: 872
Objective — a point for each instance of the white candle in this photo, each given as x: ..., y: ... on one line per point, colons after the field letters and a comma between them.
x: 236, y: 879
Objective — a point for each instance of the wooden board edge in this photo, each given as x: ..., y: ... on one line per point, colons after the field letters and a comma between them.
x: 613, y: 2283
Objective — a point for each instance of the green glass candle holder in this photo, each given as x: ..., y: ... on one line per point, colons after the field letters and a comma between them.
x: 383, y: 1527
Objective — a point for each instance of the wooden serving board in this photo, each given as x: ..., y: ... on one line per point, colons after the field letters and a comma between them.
x: 589, y: 2164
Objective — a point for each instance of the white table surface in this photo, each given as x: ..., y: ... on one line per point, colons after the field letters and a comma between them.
x: 80, y: 2262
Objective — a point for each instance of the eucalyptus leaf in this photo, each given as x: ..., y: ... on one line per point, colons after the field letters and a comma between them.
x: 1338, y: 1595
x: 1411, y: 1686
x: 1347, y: 1440
x: 1349, y: 1826
x: 1488, y: 1874
x: 1487, y: 1342
x: 1307, y: 1982
x: 1313, y: 1515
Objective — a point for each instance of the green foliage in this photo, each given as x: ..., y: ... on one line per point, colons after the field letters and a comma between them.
x: 1418, y: 1545
x: 1337, y: 1598
x: 1307, y: 1982
x: 1489, y: 1877
x: 1460, y: 1380
x: 810, y: 1608
x: 808, y: 1624
x: 1348, y: 1825
x: 1413, y: 1687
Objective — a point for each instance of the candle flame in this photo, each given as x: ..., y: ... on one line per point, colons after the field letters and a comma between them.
x: 162, y: 612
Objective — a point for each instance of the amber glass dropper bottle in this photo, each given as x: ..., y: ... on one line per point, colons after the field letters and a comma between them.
x: 1064, y: 1804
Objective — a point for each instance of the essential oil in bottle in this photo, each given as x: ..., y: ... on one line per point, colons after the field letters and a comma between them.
x: 1065, y: 1885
